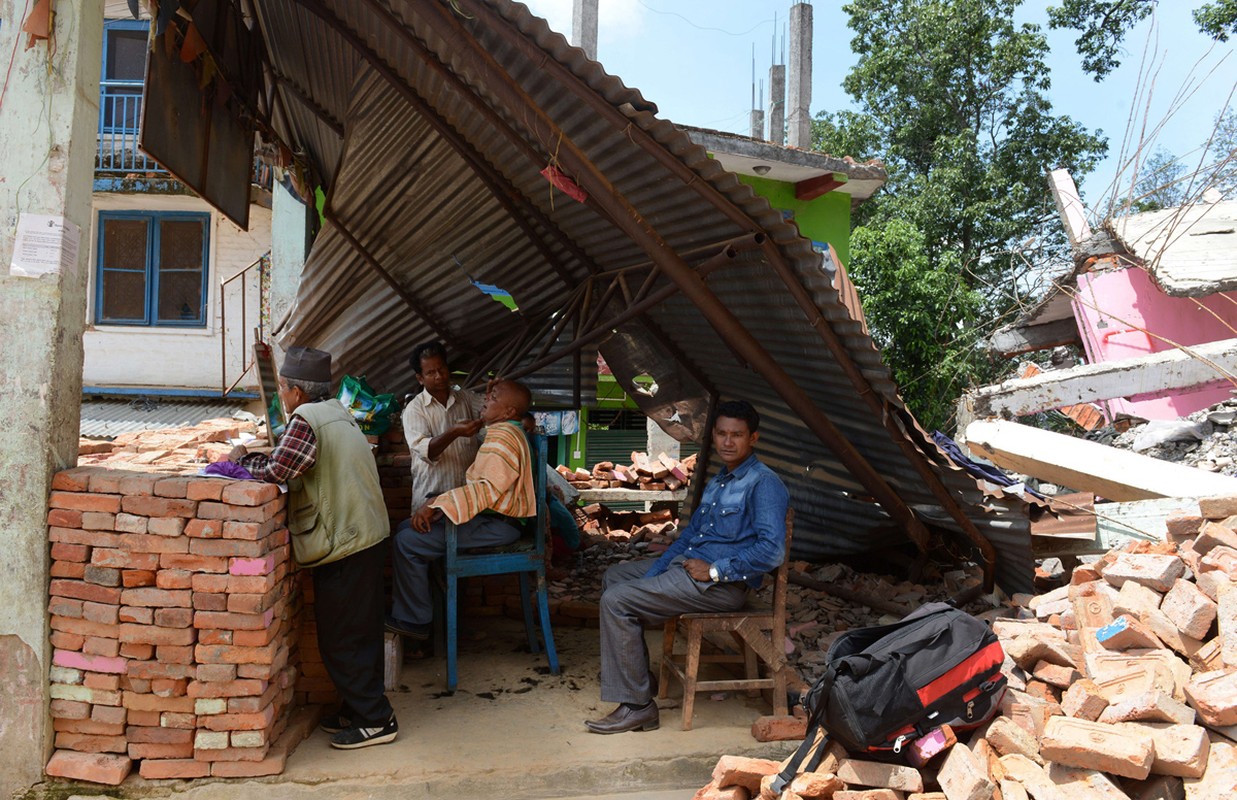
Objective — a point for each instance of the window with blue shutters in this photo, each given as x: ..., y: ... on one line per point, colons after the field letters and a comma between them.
x: 152, y: 268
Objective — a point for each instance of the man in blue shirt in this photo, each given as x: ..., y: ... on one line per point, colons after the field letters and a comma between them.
x: 736, y: 535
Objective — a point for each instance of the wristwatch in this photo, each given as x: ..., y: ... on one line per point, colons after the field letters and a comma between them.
x: 714, y: 575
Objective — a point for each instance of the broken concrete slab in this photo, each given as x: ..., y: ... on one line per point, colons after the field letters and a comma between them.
x: 1087, y: 466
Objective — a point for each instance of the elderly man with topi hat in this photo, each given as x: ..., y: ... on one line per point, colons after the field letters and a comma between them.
x: 338, y: 522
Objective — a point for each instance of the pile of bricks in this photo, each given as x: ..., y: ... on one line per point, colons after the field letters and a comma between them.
x: 1122, y: 685
x: 174, y: 622
x: 651, y: 473
x: 167, y: 449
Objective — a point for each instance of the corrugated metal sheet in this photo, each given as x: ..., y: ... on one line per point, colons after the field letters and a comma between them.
x: 435, y: 189
x: 108, y: 418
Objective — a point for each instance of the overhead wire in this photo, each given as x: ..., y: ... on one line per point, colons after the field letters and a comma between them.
x: 702, y: 27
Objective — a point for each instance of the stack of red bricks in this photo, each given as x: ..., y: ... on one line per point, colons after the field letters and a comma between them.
x: 1122, y: 684
x: 172, y: 618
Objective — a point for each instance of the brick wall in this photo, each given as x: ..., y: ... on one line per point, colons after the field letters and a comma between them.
x: 174, y: 625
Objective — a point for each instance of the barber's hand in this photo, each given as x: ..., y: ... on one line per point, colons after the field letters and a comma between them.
x: 424, y: 517
x: 237, y: 452
x: 467, y: 428
x: 697, y: 568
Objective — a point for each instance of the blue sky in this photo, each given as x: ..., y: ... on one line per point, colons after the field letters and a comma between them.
x: 694, y: 59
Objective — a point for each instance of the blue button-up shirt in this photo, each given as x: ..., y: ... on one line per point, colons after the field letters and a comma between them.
x: 740, y: 526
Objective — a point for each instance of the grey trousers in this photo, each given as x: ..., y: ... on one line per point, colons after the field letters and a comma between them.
x: 629, y: 600
x: 413, y: 551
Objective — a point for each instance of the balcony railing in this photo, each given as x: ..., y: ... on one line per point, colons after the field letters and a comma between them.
x: 120, y: 117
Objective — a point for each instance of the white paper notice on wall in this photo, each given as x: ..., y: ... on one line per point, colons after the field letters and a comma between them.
x: 44, y: 244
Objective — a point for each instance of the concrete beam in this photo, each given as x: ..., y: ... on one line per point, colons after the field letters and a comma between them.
x: 1131, y: 377
x: 1089, y: 467
x: 48, y: 126
x: 1069, y: 205
x: 1013, y: 341
x: 813, y: 188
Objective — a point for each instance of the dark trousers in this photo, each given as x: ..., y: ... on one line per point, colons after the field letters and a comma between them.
x: 629, y: 600
x: 348, y: 606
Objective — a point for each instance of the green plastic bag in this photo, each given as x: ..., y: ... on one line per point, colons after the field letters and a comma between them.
x: 371, y: 410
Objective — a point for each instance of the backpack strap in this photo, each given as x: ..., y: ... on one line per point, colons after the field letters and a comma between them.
x: 805, y: 759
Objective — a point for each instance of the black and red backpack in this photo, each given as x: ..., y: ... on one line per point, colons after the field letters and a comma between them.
x: 886, y: 686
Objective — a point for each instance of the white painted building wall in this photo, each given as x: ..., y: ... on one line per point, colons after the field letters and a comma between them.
x: 181, y: 358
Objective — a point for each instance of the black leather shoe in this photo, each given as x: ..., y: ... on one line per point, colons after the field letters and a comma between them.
x: 625, y: 718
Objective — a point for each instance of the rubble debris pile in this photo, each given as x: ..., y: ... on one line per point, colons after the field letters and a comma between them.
x: 607, y: 537
x: 1122, y: 685
x: 175, y: 612
x: 659, y: 473
x: 1206, y: 439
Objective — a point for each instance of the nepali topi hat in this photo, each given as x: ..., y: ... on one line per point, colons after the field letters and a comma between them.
x: 307, y: 364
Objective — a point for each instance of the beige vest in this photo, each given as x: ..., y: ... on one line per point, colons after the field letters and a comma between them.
x: 336, y: 508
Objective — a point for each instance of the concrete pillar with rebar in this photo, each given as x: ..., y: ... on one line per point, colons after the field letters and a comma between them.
x: 799, y: 113
x: 777, y: 104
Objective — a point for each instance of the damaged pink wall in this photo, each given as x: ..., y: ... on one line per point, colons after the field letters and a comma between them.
x: 1113, y: 308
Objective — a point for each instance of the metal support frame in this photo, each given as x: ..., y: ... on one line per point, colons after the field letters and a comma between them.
x: 712, y: 195
x: 409, y: 298
x: 305, y: 100
x: 223, y: 324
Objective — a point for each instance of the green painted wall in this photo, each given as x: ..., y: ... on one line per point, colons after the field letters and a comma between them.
x: 825, y: 219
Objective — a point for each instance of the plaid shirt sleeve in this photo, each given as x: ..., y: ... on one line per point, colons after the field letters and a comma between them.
x: 292, y: 457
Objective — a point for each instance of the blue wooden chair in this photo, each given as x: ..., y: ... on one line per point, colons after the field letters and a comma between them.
x: 526, y: 556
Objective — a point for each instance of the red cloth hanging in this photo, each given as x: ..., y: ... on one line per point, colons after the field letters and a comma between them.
x: 566, y: 185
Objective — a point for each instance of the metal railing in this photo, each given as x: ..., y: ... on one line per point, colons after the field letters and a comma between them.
x: 258, y: 332
x: 120, y: 115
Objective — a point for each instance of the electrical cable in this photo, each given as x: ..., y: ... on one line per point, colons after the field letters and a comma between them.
x: 12, y: 57
x: 702, y: 27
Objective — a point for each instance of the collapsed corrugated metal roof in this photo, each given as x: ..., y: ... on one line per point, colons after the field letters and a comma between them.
x: 452, y: 113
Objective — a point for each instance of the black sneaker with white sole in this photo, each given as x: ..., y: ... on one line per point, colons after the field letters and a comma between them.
x: 355, y: 738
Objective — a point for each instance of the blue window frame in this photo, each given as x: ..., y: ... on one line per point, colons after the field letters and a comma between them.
x: 124, y: 73
x: 152, y: 268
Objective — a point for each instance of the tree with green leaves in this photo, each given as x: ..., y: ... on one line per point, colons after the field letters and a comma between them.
x: 1103, y: 24
x: 1165, y: 181
x: 953, y: 96
x: 1159, y: 183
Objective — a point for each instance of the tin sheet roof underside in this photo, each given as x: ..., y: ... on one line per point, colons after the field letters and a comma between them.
x: 439, y: 203
x: 104, y: 418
